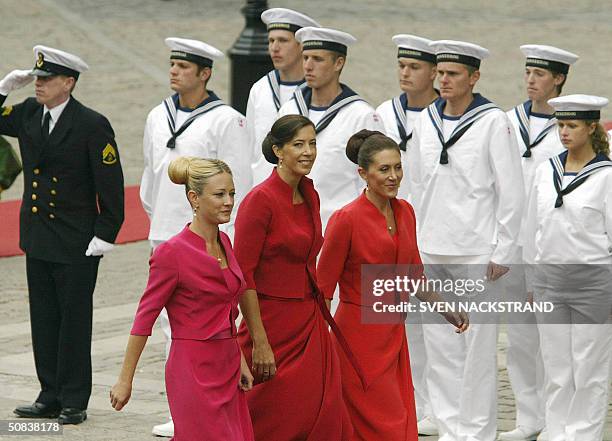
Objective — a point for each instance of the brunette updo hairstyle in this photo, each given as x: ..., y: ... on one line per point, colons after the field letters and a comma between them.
x: 363, y: 145
x: 194, y: 172
x: 283, y: 131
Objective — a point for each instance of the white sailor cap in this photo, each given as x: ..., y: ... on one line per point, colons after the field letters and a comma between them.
x: 578, y: 106
x: 459, y: 52
x: 195, y: 51
x: 324, y: 38
x: 50, y: 61
x: 548, y: 57
x: 411, y: 46
x: 286, y: 19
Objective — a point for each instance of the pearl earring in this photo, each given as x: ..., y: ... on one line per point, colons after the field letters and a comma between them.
x: 195, y: 210
x: 280, y: 163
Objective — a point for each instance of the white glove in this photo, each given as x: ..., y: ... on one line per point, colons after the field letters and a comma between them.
x: 15, y: 80
x: 97, y: 247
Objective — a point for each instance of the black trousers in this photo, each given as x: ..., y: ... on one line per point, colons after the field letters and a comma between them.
x: 61, y: 309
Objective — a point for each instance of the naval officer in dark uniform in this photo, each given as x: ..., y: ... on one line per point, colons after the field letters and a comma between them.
x: 71, y: 213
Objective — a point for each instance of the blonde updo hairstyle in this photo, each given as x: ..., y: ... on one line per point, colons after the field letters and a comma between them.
x: 599, y: 138
x: 194, y: 172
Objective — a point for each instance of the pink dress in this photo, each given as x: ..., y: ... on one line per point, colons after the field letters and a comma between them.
x: 203, y: 369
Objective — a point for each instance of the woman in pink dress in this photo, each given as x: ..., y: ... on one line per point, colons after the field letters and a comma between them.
x: 196, y: 277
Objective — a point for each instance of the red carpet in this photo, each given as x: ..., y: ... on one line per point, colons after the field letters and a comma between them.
x: 135, y: 227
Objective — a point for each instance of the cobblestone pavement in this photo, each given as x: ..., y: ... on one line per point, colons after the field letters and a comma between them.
x: 122, y: 40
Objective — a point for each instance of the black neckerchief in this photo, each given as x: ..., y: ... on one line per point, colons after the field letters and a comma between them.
x: 523, y: 112
x: 303, y: 97
x: 476, y: 110
x: 172, y: 106
x: 558, y: 165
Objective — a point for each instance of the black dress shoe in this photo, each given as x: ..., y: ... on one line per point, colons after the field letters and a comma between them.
x: 37, y: 410
x: 72, y: 415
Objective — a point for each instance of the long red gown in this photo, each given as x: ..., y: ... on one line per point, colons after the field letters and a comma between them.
x: 357, y: 234
x: 276, y: 245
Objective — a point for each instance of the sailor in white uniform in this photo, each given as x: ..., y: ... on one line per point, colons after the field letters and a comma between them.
x: 337, y: 112
x: 270, y: 92
x: 416, y: 68
x: 535, y: 126
x: 191, y: 122
x: 469, y: 197
x: 568, y: 238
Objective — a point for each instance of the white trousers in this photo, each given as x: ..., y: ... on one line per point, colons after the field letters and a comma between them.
x: 462, y: 372
x: 523, y: 358
x: 577, y: 358
x: 418, y: 363
x: 164, y: 323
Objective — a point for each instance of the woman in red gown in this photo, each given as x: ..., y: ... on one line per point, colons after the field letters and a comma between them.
x: 284, y: 335
x: 376, y: 228
x: 196, y: 277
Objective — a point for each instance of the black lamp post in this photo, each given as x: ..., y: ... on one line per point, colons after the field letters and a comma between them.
x: 249, y: 55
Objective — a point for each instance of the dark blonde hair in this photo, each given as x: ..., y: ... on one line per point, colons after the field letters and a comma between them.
x: 363, y: 145
x: 194, y: 172
x: 599, y: 138
x: 282, y: 132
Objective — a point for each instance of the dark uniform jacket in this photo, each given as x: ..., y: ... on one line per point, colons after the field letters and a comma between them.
x: 73, y: 182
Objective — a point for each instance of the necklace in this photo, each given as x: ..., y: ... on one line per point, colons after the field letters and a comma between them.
x: 219, y: 254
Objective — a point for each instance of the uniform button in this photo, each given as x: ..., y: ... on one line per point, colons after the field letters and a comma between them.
x: 51, y: 216
x: 33, y: 197
x: 53, y: 192
x: 36, y: 171
x: 54, y: 179
x: 34, y: 184
x: 51, y: 204
x: 34, y: 210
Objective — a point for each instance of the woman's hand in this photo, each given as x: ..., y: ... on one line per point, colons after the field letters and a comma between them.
x: 246, y: 377
x: 495, y: 271
x: 460, y: 320
x: 264, y: 364
x: 120, y: 394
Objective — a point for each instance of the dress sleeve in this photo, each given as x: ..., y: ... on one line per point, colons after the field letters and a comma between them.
x: 163, y: 281
x: 417, y: 269
x: 252, y: 226
x: 335, y: 252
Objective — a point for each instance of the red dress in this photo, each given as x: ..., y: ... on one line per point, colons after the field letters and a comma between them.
x: 203, y: 368
x: 276, y: 245
x: 357, y: 234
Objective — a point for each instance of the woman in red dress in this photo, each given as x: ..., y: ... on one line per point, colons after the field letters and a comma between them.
x: 376, y: 228
x: 284, y: 335
x: 196, y: 277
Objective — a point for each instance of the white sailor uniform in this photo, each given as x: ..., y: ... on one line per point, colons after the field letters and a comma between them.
x: 266, y: 97
x: 468, y: 192
x: 538, y: 140
x: 398, y: 118
x: 213, y: 130
x: 335, y: 177
x: 568, y: 236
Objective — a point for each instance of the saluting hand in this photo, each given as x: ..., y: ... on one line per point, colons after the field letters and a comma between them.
x: 15, y: 80
x: 120, y: 394
x: 264, y: 364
